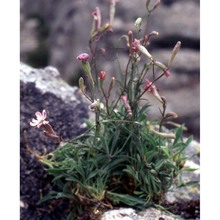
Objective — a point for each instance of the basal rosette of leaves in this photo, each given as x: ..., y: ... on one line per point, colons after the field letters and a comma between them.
x: 126, y: 165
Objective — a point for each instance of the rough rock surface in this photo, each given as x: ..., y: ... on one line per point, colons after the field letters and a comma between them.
x: 57, y: 32
x: 131, y: 214
x: 44, y: 89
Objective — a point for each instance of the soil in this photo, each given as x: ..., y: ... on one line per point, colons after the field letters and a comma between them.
x: 185, y: 209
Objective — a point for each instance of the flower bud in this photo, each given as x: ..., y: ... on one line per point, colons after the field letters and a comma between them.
x: 153, y: 33
x: 102, y: 75
x: 165, y: 135
x: 171, y: 114
x: 161, y: 65
x: 147, y: 4
x: 138, y: 23
x: 112, y: 11
x: 167, y: 73
x: 130, y: 40
x: 95, y: 105
x: 144, y: 51
x: 97, y: 17
x: 112, y: 83
x: 164, y: 68
x: 155, y: 5
x: 164, y: 100
x: 175, y: 51
x: 105, y: 27
x: 82, y: 85
x: 126, y: 105
x: 87, y: 69
x: 83, y: 57
x: 49, y: 132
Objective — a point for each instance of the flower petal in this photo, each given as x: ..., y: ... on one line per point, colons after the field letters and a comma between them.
x: 39, y: 124
x: 38, y: 115
x: 34, y: 124
x: 44, y: 114
x: 45, y: 122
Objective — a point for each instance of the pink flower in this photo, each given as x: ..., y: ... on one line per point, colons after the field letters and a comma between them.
x: 152, y: 88
x: 40, y: 119
x: 97, y: 16
x: 124, y: 99
x: 148, y: 86
x: 83, y: 57
x: 167, y: 73
x: 134, y: 45
x: 126, y: 104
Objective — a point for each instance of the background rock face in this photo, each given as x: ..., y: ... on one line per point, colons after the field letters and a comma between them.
x: 44, y: 89
x: 54, y: 32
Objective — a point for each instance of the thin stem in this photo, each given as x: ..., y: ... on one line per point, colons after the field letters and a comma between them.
x: 163, y: 116
x: 126, y: 73
x: 105, y: 96
x: 120, y: 120
x: 146, y: 26
x: 153, y: 69
x: 151, y: 84
x: 125, y: 83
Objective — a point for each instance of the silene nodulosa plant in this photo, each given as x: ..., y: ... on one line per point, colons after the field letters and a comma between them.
x: 123, y: 158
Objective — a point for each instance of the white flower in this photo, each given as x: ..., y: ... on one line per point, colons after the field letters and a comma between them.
x: 40, y: 119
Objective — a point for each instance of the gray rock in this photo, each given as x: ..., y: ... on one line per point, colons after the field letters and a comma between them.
x: 62, y: 29
x: 191, y: 192
x: 49, y: 80
x: 181, y: 19
x: 44, y: 89
x: 131, y: 214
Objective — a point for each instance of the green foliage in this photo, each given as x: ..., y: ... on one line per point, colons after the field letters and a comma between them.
x: 125, y: 165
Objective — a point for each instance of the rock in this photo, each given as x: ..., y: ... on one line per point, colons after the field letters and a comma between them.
x: 186, y: 198
x: 181, y: 19
x: 192, y: 192
x: 62, y: 30
x: 44, y: 89
x: 131, y: 214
